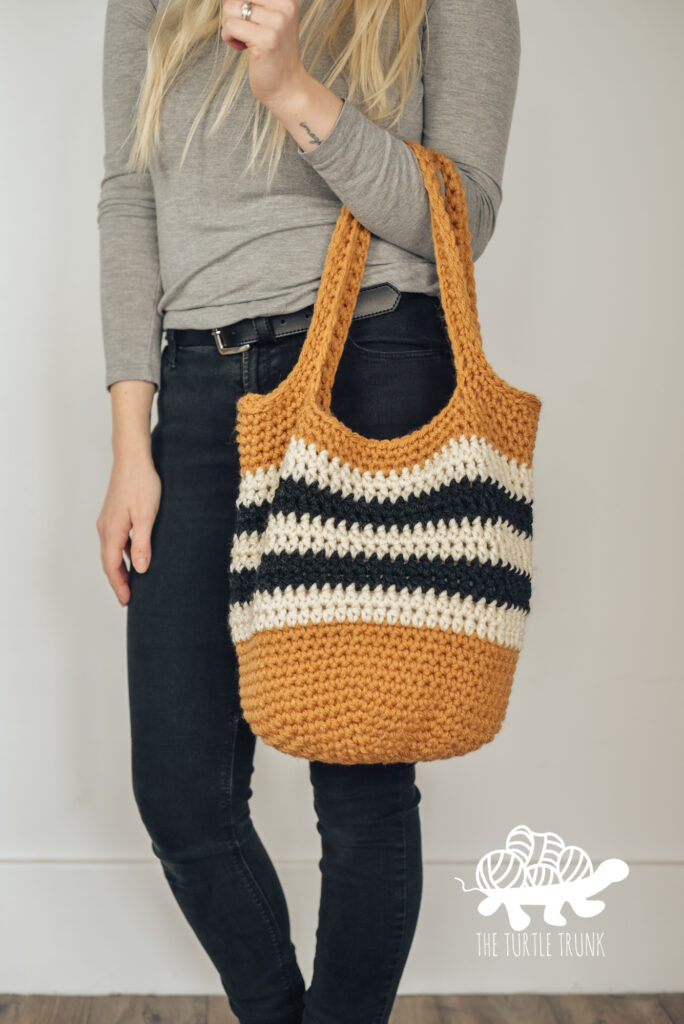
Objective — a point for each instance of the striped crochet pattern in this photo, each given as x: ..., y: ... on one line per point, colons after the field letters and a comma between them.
x: 380, y: 587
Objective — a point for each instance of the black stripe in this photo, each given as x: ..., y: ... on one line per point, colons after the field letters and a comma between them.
x: 459, y: 499
x: 495, y: 582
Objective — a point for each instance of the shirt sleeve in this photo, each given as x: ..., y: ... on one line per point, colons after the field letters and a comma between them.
x: 130, y: 280
x: 471, y: 58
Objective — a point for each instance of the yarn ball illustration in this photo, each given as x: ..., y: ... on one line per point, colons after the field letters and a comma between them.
x: 531, y: 859
x: 541, y: 874
x: 574, y: 863
x: 500, y: 869
x: 535, y: 847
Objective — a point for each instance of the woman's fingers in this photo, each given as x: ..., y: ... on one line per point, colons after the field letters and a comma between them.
x: 141, y: 549
x: 113, y: 540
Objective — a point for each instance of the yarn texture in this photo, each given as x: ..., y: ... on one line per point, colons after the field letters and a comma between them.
x: 380, y: 587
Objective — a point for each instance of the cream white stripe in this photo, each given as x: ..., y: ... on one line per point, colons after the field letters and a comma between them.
x: 302, y: 605
x: 470, y: 458
x: 488, y: 542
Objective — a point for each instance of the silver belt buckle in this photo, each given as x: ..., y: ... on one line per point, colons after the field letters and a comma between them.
x: 227, y: 349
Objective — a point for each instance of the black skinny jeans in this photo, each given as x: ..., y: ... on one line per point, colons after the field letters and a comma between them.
x: 192, y: 751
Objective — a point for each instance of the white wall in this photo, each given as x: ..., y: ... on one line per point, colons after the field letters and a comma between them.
x: 580, y: 301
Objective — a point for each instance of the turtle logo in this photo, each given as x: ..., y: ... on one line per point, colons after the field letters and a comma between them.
x: 538, y: 869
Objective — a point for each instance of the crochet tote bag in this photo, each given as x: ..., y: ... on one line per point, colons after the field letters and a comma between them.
x: 379, y: 588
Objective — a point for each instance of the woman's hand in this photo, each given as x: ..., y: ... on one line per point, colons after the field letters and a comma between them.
x: 134, y: 492
x: 272, y: 37
x: 131, y: 504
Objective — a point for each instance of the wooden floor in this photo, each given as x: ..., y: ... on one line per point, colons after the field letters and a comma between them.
x: 663, y: 1008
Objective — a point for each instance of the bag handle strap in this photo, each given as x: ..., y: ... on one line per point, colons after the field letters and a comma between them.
x: 458, y: 213
x: 345, y: 265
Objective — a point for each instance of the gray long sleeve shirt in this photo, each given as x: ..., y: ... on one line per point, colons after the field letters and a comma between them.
x: 207, y: 246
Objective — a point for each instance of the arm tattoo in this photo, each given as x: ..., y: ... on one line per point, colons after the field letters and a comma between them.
x: 312, y: 135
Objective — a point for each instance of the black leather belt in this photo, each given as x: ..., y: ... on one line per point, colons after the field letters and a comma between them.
x: 377, y: 298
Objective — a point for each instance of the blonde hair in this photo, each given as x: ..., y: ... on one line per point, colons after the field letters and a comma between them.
x: 182, y: 27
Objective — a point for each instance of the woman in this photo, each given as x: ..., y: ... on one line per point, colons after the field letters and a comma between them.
x: 202, y: 249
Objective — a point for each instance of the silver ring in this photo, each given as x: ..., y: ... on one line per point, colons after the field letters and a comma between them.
x: 245, y: 11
